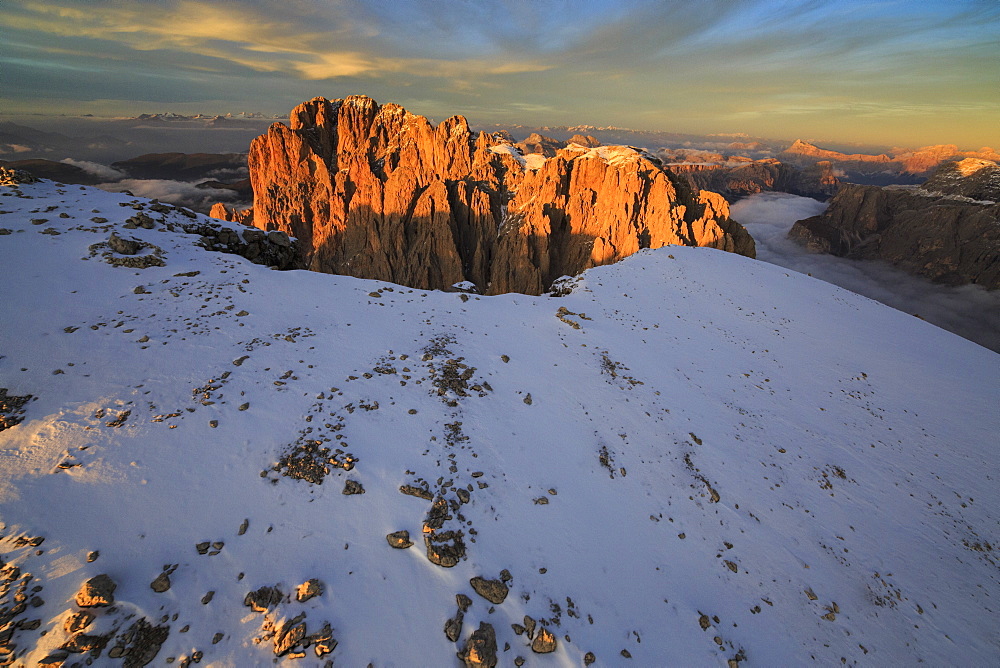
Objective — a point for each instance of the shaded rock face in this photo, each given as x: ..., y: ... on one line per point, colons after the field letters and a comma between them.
x: 818, y: 181
x: 945, y: 238
x: 374, y: 191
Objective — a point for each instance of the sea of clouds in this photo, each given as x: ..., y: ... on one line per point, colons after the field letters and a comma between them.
x: 969, y: 311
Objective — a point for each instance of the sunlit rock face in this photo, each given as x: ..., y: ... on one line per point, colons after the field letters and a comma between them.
x: 374, y: 191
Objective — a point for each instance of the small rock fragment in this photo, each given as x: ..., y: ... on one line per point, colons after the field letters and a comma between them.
x: 493, y: 591
x: 353, y: 487
x: 453, y: 627
x: 309, y: 589
x: 399, y: 539
x: 124, y: 246
x: 161, y: 583
x: 78, y: 621
x: 263, y: 598
x: 544, y: 643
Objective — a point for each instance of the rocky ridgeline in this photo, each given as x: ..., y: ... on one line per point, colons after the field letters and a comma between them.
x: 374, y: 191
x: 818, y: 181
x: 947, y: 230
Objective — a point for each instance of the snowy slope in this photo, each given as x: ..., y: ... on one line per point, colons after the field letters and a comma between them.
x: 692, y: 458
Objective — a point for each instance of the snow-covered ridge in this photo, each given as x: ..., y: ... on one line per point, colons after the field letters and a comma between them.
x: 612, y: 155
x: 692, y: 458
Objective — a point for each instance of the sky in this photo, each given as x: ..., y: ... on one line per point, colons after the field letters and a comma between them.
x: 889, y: 72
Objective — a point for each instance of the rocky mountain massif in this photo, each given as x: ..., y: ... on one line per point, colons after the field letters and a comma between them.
x: 948, y: 229
x: 374, y: 191
x: 689, y: 459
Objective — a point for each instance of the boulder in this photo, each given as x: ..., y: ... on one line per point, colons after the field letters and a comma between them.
x: 97, y: 592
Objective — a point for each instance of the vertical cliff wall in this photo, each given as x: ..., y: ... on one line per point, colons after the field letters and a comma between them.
x: 374, y: 191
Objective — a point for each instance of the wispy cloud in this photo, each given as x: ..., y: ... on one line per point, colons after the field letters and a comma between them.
x: 607, y: 62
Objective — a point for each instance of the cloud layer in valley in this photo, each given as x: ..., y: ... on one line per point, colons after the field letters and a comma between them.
x: 889, y: 72
x: 174, y: 192
x: 968, y: 311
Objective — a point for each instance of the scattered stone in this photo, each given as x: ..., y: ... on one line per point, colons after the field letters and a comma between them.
x: 263, y: 598
x: 243, y: 527
x: 527, y: 399
x: 12, y: 408
x: 81, y: 643
x: 453, y: 627
x: 419, y: 492
x: 463, y: 602
x: 463, y: 495
x: 289, y: 634
x: 493, y: 591
x: 627, y: 654
x: 446, y: 548
x: 207, y: 598
x: 161, y: 583
x: 589, y: 658
x: 92, y: 557
x: 544, y: 643
x: 124, y: 245
x: 399, y: 539
x: 97, y: 592
x: 309, y: 589
x: 217, y: 637
x: 704, y: 622
x: 203, y: 547
x: 353, y: 487
x: 146, y: 640
x: 481, y: 649
x: 78, y: 621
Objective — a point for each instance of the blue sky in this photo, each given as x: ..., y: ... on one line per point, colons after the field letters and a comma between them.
x: 894, y: 72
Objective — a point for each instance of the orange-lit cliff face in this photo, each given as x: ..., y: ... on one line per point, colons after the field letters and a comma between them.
x: 377, y: 192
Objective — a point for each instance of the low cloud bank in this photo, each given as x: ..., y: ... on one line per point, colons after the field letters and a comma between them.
x: 180, y: 193
x: 969, y: 311
x: 95, y: 168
